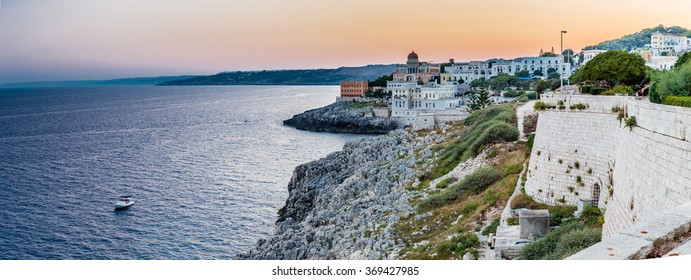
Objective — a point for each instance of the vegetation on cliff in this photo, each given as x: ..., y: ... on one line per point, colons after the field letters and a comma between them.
x: 570, y: 238
x: 476, y: 171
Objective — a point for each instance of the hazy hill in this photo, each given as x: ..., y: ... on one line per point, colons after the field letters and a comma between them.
x: 638, y: 39
x: 289, y: 77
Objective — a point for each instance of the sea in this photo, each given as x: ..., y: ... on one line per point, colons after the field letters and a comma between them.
x: 208, y: 168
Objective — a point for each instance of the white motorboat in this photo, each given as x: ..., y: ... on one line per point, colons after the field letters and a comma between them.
x: 124, y: 202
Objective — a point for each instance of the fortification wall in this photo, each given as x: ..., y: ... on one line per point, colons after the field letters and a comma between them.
x: 634, y: 175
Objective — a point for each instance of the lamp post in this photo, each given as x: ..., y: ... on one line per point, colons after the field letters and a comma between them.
x: 561, y: 62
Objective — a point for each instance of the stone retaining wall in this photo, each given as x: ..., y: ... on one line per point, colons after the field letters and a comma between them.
x: 637, y: 173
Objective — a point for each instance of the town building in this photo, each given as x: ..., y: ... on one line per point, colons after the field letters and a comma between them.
x: 588, y: 55
x: 353, y: 89
x: 416, y: 71
x: 664, y: 44
x: 424, y: 106
x: 474, y: 70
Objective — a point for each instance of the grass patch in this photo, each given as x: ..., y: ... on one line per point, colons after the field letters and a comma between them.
x: 472, y: 183
x: 484, y: 127
x: 562, y: 242
x: 491, y: 228
x: 446, y: 182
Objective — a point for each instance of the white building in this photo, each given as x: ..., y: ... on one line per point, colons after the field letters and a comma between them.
x: 588, y: 55
x: 410, y: 99
x: 670, y: 44
x: 473, y: 70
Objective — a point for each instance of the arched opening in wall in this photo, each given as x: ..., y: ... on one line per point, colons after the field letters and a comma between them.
x: 596, y: 194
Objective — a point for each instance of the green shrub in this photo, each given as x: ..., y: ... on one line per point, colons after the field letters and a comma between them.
x: 446, y: 182
x: 540, y: 106
x: 615, y: 109
x: 479, y: 121
x: 513, y: 169
x: 630, y: 122
x: 492, y: 153
x: 683, y: 101
x: 671, y: 83
x: 592, y: 216
x: 473, y: 182
x: 529, y: 144
x: 578, y: 106
x: 531, y: 95
x: 623, y: 89
x: 523, y: 98
x: 491, y: 228
x: 597, y: 90
x: 469, y: 208
x: 497, y: 132
x: 561, y: 242
x: 512, y: 221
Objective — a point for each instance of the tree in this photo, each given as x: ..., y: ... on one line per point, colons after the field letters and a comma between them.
x: 380, y: 81
x: 380, y: 94
x: 671, y: 83
x: 541, y: 86
x: 502, y: 81
x: 553, y: 75
x: 614, y: 67
x: 523, y: 74
x: 682, y: 59
x: 537, y: 72
x: 478, y: 100
x: 479, y: 83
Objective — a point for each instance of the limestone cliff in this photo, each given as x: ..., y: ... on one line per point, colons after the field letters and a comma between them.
x: 345, y: 206
x: 349, y: 117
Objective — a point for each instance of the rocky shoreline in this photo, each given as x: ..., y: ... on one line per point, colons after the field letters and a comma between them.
x: 346, y: 205
x: 347, y: 117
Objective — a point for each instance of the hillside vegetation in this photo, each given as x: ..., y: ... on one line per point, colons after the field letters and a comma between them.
x: 638, y: 39
x: 289, y: 77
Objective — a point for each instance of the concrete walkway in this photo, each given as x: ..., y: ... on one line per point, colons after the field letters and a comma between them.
x: 521, y: 112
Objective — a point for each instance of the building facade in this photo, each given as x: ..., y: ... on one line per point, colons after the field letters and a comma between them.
x: 588, y: 55
x: 353, y: 89
x: 408, y: 99
x: 669, y: 44
x: 416, y: 71
x: 474, y: 70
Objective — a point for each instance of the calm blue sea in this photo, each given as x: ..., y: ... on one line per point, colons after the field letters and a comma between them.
x: 207, y: 166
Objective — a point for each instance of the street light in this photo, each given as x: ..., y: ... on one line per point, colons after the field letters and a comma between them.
x: 561, y: 63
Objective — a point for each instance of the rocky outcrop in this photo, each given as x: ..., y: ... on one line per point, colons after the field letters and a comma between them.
x: 342, y: 117
x: 345, y: 206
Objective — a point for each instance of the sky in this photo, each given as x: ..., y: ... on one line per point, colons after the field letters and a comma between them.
x: 81, y: 39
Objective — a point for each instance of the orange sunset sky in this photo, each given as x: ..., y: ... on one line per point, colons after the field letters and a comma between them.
x: 79, y: 39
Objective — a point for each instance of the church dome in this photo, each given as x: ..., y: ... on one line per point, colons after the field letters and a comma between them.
x: 412, y: 55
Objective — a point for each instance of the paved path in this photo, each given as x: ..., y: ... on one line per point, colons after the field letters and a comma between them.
x: 521, y: 112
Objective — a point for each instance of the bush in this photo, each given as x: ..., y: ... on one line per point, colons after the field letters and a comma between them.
x: 579, y: 106
x: 491, y: 228
x: 529, y: 144
x: 561, y: 242
x: 671, y: 83
x: 531, y: 95
x: 473, y: 182
x: 523, y: 98
x: 513, y: 169
x: 540, y: 106
x: 683, y: 101
x: 446, y: 182
x: 597, y: 90
x: 592, y: 216
x: 630, y: 122
x: 479, y: 122
x: 497, y: 132
x: 623, y: 89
